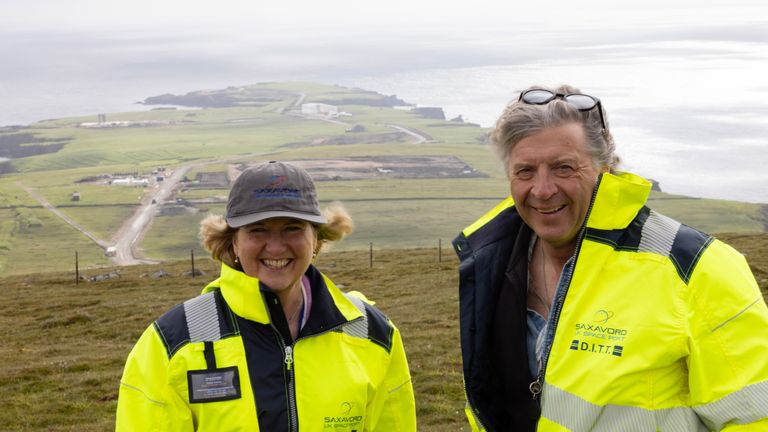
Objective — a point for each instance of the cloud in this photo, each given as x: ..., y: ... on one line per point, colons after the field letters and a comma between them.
x: 365, y: 16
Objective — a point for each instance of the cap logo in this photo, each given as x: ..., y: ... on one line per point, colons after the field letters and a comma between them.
x: 274, y: 190
x: 277, y: 180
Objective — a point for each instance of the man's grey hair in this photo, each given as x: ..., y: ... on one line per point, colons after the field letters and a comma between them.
x: 521, y: 120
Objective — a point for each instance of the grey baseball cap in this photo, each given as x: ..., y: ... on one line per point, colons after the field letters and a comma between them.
x: 273, y: 189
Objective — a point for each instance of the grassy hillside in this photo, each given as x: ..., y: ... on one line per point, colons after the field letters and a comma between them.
x: 245, y: 124
x: 65, y: 344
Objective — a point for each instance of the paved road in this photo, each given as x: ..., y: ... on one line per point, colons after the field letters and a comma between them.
x: 134, y: 228
x: 419, y: 137
x: 137, y: 225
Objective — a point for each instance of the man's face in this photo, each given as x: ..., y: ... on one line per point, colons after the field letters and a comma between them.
x: 552, y: 177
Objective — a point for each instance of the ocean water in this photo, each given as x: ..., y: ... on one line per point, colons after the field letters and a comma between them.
x: 687, y: 108
x: 698, y: 125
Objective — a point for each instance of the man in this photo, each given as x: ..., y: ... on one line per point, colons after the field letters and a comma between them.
x: 582, y: 309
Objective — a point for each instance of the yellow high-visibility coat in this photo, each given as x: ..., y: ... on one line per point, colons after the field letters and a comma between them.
x: 221, y: 362
x: 655, y: 326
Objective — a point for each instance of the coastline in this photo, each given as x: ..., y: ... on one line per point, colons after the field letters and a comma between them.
x: 651, y: 161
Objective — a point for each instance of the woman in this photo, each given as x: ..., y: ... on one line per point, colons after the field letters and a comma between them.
x: 272, y: 344
x: 582, y: 309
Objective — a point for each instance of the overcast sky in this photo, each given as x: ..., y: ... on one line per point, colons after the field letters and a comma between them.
x: 365, y: 16
x: 341, y: 36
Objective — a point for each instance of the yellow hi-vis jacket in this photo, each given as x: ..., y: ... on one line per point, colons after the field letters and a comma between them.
x: 655, y: 326
x: 222, y: 362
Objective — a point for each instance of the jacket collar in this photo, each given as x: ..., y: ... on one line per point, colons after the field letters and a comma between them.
x: 245, y: 295
x: 618, y: 199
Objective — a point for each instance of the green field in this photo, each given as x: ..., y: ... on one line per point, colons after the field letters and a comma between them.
x: 255, y: 126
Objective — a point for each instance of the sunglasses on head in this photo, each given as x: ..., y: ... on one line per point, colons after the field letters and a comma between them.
x: 579, y: 101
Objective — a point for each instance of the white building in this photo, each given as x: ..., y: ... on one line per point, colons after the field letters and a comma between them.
x: 319, y: 109
x: 130, y: 181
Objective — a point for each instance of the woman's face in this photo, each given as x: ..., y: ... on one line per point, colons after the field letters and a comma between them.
x: 277, y: 251
x: 552, y: 178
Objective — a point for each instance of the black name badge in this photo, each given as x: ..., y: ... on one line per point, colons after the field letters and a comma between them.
x: 213, y: 385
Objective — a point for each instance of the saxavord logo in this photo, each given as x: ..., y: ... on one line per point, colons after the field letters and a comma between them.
x: 346, y: 407
x: 598, y: 329
x: 275, y: 190
x: 595, y: 337
x: 345, y: 421
x: 276, y: 181
x: 602, y: 316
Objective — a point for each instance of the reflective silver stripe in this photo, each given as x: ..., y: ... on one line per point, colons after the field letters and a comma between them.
x: 399, y: 387
x: 747, y: 405
x: 142, y: 393
x: 359, y: 327
x: 760, y: 298
x: 202, y: 318
x: 579, y: 415
x: 658, y: 234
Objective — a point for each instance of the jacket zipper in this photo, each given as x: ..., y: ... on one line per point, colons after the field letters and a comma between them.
x: 293, y: 414
x: 293, y: 418
x: 537, y: 386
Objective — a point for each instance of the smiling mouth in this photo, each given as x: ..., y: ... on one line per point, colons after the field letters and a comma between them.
x: 548, y: 211
x: 276, y: 264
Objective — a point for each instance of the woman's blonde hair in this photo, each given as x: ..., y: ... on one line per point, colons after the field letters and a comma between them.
x: 217, y: 237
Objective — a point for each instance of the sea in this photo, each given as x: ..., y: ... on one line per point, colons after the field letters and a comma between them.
x: 687, y: 109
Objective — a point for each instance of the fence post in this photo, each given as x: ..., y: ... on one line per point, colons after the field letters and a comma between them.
x: 440, y: 250
x: 77, y: 270
x: 192, y: 257
x: 370, y: 255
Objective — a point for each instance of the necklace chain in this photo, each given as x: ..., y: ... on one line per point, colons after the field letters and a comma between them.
x: 296, y: 312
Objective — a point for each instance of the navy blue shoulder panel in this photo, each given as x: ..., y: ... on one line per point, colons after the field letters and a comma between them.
x: 172, y: 328
x: 627, y: 239
x: 461, y: 247
x: 380, y: 331
x: 174, y: 331
x: 687, y: 249
x: 684, y: 245
x: 227, y: 322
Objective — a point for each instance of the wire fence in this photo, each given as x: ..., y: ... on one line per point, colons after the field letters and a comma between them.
x: 194, y: 272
